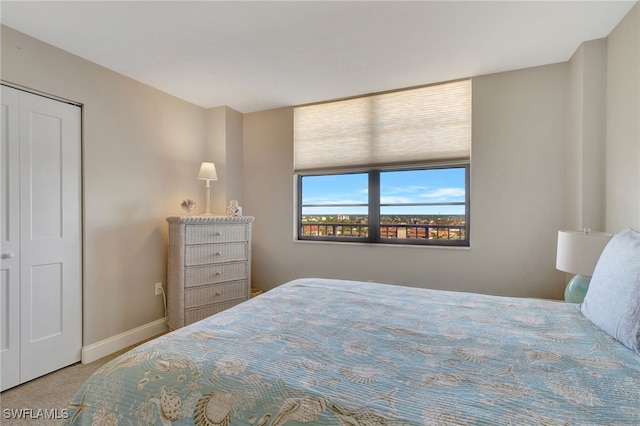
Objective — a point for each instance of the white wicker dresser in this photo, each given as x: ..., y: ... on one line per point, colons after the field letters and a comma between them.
x: 209, y: 266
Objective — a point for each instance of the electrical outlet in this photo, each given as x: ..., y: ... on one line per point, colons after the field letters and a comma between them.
x: 158, y: 288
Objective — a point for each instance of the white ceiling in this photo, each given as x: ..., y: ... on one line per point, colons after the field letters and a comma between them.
x: 260, y: 55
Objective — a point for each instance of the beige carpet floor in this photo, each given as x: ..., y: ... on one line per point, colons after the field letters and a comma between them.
x: 52, y: 392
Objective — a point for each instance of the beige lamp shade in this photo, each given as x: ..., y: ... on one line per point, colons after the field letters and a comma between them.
x: 578, y: 252
x: 208, y: 172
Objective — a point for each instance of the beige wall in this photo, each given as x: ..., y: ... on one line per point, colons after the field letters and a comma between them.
x: 586, y: 133
x: 141, y: 151
x: 233, y: 144
x: 603, y: 142
x: 223, y: 146
x: 623, y: 124
x: 517, y: 199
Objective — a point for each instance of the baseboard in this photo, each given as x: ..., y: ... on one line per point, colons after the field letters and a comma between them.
x: 113, y: 344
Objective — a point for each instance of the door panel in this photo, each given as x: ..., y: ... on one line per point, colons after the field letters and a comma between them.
x: 9, y: 241
x: 45, y: 161
x: 46, y: 301
x: 5, y: 294
x: 50, y: 182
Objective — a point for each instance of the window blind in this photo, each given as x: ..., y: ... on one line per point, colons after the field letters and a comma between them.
x: 424, y: 125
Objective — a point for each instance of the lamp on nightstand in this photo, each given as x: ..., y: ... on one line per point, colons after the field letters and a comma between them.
x: 207, y: 173
x: 578, y: 253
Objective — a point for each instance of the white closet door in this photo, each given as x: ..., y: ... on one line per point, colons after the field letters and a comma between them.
x: 9, y: 241
x: 45, y: 217
x: 50, y: 206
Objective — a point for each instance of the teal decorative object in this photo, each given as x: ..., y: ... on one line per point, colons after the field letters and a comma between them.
x: 576, y: 289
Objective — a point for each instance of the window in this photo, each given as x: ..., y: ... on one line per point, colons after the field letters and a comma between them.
x: 390, y: 167
x: 414, y: 206
x: 334, y: 207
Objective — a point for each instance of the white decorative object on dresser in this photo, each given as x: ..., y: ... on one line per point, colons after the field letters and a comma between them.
x: 209, y: 266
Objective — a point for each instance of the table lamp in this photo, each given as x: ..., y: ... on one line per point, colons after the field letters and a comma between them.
x: 207, y: 173
x: 578, y: 253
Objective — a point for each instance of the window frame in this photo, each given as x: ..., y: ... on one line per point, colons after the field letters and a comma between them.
x: 374, y: 205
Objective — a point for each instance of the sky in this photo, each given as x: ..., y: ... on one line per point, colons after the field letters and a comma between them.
x: 396, y: 188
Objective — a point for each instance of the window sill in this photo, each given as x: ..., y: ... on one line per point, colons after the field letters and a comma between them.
x: 410, y: 246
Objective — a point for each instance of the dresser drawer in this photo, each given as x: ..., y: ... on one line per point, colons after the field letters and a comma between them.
x: 206, y: 295
x: 203, y: 234
x: 196, y: 314
x: 203, y: 254
x: 210, y: 274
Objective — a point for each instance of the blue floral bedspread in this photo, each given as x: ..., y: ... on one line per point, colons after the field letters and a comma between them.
x: 329, y: 352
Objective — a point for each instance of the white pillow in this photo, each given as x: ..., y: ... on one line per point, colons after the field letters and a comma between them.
x: 612, y: 302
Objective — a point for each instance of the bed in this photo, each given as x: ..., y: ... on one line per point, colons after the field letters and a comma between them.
x: 333, y: 352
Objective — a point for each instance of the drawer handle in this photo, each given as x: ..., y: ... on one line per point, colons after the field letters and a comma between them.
x: 218, y: 273
x: 217, y: 234
x: 218, y: 294
x: 218, y: 253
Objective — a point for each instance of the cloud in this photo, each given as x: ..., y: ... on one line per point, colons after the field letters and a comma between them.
x: 409, y: 189
x: 396, y: 200
x: 335, y: 199
x: 417, y: 194
x: 444, y: 193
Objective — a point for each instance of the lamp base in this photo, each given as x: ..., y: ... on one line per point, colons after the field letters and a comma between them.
x: 576, y: 289
x: 207, y: 198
